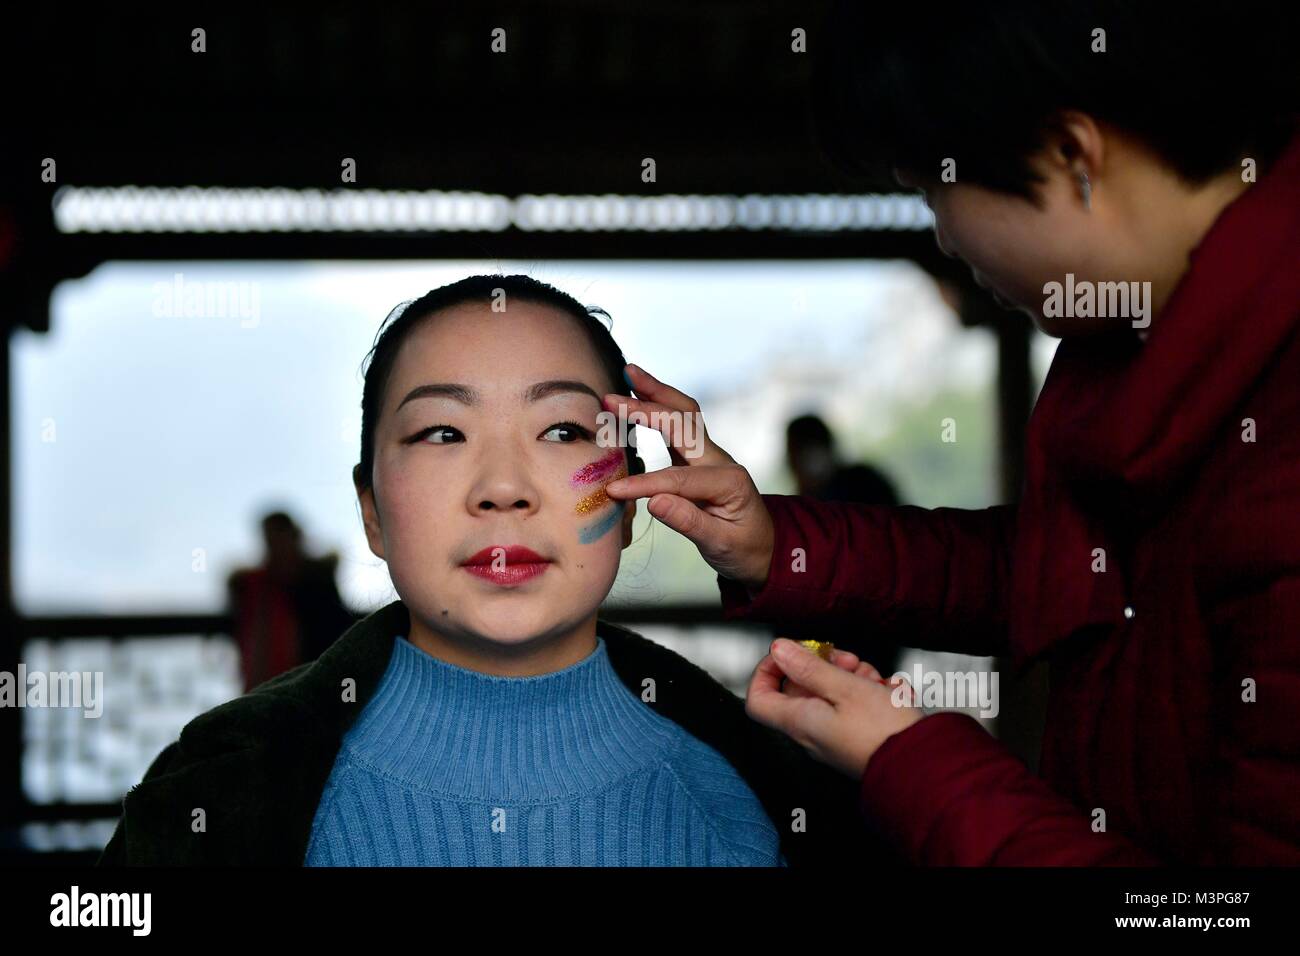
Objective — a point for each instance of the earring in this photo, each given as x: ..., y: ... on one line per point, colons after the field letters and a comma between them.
x: 1086, y: 188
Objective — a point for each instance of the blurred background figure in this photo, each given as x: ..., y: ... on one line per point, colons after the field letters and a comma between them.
x: 810, y: 453
x: 812, y: 458
x: 287, y: 610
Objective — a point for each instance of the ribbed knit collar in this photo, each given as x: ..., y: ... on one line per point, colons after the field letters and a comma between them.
x: 463, y: 734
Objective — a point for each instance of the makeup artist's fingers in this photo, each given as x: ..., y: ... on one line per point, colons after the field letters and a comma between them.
x: 868, y: 672
x: 844, y: 660
x: 648, y: 387
x: 863, y: 669
x: 791, y: 689
x: 717, y: 507
x: 716, y: 487
x: 767, y: 676
x: 804, y: 676
x: 847, y: 660
x: 805, y: 668
x: 841, y: 721
x: 770, y: 678
x: 681, y: 414
x: 684, y: 432
x: 766, y: 703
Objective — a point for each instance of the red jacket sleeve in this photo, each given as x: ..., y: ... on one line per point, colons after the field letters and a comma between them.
x: 928, y: 578
x: 946, y: 793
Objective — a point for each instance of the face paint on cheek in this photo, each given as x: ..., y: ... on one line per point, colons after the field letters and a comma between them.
x: 601, y: 470
x: 594, y: 532
x: 608, y: 468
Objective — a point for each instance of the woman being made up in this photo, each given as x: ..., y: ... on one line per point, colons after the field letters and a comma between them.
x: 488, y: 718
x: 1153, y: 559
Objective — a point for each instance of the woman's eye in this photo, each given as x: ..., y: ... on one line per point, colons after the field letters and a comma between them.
x: 575, y: 432
x: 439, y: 435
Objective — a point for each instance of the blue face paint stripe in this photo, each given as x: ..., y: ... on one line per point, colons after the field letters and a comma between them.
x: 596, y: 531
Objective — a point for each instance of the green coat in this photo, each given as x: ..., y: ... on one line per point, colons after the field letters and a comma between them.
x: 257, y: 765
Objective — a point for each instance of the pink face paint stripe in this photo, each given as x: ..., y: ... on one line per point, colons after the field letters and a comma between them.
x: 600, y: 469
x: 598, y: 498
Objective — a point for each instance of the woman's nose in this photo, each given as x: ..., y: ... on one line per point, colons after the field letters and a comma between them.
x: 504, y: 499
x: 503, y: 487
x: 519, y: 504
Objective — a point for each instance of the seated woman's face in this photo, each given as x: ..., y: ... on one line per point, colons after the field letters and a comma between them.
x: 486, y: 446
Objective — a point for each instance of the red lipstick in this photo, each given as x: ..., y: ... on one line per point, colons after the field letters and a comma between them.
x: 506, y: 565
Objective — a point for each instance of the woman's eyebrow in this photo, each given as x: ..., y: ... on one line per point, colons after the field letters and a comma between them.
x: 556, y: 386
x: 460, y: 393
x: 468, y: 396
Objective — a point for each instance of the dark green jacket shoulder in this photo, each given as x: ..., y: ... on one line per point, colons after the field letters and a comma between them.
x: 241, y: 784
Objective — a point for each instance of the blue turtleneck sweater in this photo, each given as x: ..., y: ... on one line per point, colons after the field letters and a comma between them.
x: 446, y: 766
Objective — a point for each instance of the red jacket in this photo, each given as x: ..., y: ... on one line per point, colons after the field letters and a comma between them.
x: 1145, y: 451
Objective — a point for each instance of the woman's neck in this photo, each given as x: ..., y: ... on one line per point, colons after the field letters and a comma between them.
x: 1172, y: 222
x: 545, y: 653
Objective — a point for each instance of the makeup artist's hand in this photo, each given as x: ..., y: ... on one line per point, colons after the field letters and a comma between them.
x: 839, y: 711
x: 704, y: 495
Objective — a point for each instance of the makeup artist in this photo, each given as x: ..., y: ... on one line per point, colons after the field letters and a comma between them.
x: 1153, y: 559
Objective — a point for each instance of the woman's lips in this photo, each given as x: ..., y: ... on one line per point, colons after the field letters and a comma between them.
x: 508, y: 576
x: 506, y: 565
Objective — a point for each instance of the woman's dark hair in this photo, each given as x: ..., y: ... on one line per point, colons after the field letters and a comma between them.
x: 481, y: 288
x: 907, y: 85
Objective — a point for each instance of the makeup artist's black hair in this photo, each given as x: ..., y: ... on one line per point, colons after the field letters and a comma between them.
x: 480, y: 288
x: 907, y: 85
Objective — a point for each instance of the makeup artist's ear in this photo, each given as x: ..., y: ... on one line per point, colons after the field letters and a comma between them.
x: 369, y: 515
x: 1076, y: 148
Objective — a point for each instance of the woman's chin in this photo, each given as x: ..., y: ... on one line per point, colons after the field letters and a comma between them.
x: 517, y: 627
